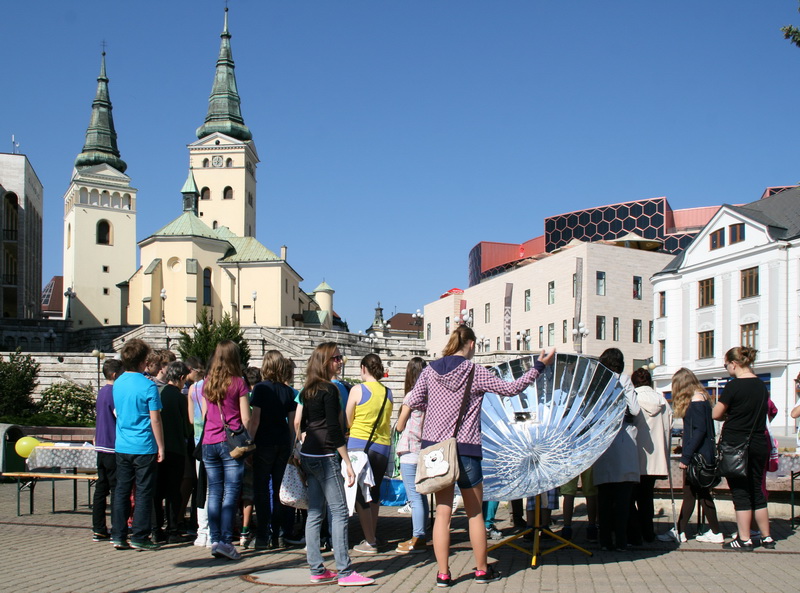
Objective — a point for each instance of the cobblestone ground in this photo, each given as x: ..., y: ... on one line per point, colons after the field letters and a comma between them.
x: 52, y: 553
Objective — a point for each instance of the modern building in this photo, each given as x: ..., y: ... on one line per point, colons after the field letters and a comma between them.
x: 21, y: 239
x: 737, y: 283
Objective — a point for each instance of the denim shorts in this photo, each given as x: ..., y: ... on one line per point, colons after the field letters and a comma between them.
x: 470, y: 472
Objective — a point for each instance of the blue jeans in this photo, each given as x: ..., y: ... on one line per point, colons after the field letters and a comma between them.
x: 141, y: 470
x: 224, y: 475
x: 269, y: 464
x: 419, y: 502
x: 326, y: 488
x: 470, y: 471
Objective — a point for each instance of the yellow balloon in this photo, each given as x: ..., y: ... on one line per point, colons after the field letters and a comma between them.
x: 46, y: 444
x: 25, y: 445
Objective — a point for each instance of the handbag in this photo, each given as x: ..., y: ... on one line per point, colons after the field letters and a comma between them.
x: 732, y: 459
x: 702, y: 472
x: 294, y: 490
x: 239, y: 441
x: 437, y: 467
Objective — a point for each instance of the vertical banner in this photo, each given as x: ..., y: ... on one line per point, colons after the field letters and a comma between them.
x: 507, y: 317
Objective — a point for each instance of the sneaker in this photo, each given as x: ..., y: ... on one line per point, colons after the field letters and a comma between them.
x: 224, y: 550
x: 709, y: 537
x: 278, y: 543
x: 145, y: 544
x: 591, y: 533
x: 405, y: 509
x: 482, y: 577
x: 121, y: 545
x: 100, y: 537
x: 416, y: 545
x: 246, y: 539
x: 158, y: 536
x: 492, y: 533
x: 672, y: 536
x: 326, y: 577
x: 355, y: 580
x: 202, y: 540
x: 768, y: 543
x: 738, y: 545
x: 365, y: 548
x: 443, y: 580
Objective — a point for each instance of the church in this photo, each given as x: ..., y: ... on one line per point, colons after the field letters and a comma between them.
x: 206, y: 258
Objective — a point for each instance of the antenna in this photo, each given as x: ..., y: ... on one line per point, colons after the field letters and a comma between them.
x: 14, y: 145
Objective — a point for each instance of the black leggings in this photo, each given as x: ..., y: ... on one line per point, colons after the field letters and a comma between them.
x: 378, y: 464
x: 747, y: 492
x: 691, y: 494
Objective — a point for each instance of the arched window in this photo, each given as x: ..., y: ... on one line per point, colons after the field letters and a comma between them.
x: 205, y: 194
x: 103, y: 233
x: 69, y: 236
x: 214, y: 225
x: 229, y: 163
x: 207, y: 287
x: 205, y: 163
x: 227, y: 194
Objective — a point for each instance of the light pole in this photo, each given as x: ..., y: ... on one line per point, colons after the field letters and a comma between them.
x: 255, y: 296
x: 99, y: 356
x: 465, y: 318
x: 70, y: 294
x: 577, y: 336
x: 50, y: 336
x: 163, y: 304
x: 418, y: 320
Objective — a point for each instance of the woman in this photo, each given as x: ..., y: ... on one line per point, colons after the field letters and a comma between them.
x: 616, y: 473
x: 369, y: 413
x: 271, y: 426
x: 690, y: 402
x: 743, y: 405
x: 439, y: 392
x: 409, y: 423
x: 225, y: 401
x: 321, y: 456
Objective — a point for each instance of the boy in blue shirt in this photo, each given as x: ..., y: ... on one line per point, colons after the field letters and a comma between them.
x: 139, y: 446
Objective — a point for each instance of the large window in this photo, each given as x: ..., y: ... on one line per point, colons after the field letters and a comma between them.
x: 749, y: 335
x: 207, y: 287
x: 615, y: 329
x: 527, y: 305
x: 705, y: 344
x: 736, y: 233
x: 637, y: 331
x: 706, y: 292
x: 600, y: 331
x: 487, y: 313
x: 662, y: 304
x: 717, y: 239
x: 601, y: 284
x: 551, y: 334
x: 103, y: 233
x: 637, y: 287
x: 551, y: 292
x: 750, y: 282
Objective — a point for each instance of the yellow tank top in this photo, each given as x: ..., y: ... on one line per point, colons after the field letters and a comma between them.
x: 367, y: 413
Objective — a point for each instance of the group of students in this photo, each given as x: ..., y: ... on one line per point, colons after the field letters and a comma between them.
x: 153, y: 422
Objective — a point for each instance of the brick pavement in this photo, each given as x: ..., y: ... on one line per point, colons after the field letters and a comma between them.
x: 54, y: 553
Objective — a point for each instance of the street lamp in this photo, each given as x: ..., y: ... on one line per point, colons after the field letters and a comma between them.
x: 70, y: 294
x: 255, y: 296
x: 99, y: 356
x: 464, y: 318
x: 417, y: 320
x: 50, y: 336
x: 578, y: 334
x: 163, y: 304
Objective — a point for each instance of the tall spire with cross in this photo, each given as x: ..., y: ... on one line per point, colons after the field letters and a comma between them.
x: 224, y: 111
x: 101, y: 137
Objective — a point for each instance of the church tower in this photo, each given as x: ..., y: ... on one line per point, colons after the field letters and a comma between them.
x: 99, y: 222
x: 223, y: 159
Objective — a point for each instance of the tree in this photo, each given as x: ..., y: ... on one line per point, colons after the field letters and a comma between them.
x: 202, y: 342
x: 17, y: 381
x: 792, y: 33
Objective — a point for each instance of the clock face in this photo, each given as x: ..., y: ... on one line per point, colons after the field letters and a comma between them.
x: 216, y: 161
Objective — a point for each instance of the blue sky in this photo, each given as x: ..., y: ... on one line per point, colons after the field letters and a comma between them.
x: 395, y: 135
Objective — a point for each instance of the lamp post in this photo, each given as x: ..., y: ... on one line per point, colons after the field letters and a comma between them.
x: 99, y: 356
x: 465, y: 318
x: 70, y: 294
x: 577, y: 336
x: 255, y: 296
x: 163, y: 304
x: 417, y: 319
x: 50, y: 336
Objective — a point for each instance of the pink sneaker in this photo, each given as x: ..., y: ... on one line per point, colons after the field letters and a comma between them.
x: 355, y: 580
x: 326, y: 577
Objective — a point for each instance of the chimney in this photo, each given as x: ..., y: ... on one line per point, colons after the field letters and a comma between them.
x: 283, y: 252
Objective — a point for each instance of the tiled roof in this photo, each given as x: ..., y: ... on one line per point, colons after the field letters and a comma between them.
x: 314, y: 317
x: 247, y: 249
x: 324, y: 286
x: 186, y: 225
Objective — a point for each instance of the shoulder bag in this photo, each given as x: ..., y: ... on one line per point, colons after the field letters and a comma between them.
x: 702, y: 472
x: 437, y: 467
x: 239, y: 441
x: 732, y: 459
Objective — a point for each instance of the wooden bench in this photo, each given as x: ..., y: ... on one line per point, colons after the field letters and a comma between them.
x: 28, y: 480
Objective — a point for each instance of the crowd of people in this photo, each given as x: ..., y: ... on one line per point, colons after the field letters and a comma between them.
x: 165, y: 456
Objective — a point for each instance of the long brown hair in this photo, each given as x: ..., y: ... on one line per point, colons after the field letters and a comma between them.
x: 318, y: 369
x: 413, y: 370
x: 684, y: 385
x: 460, y: 337
x: 272, y: 367
x: 225, y: 364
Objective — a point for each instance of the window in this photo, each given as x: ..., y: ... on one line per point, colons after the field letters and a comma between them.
x: 488, y: 345
x: 706, y: 295
x: 214, y: 225
x: 487, y: 313
x: 750, y: 282
x: 498, y: 342
x: 551, y: 334
x: 637, y: 331
x: 662, y: 352
x: 207, y: 287
x: 717, y: 239
x: 106, y: 291
x: 749, y: 335
x: 601, y: 284
x: 447, y: 326
x: 637, y: 288
x: 651, y: 328
x: 527, y: 305
x: 574, y: 285
x: 662, y: 304
x: 250, y: 198
x: 205, y: 194
x: 428, y: 331
x: 736, y: 233
x: 705, y: 344
x: 103, y: 233
x: 229, y: 163
x: 286, y: 285
x: 564, y: 332
x: 615, y: 329
x: 205, y: 163
x: 105, y: 269
x: 541, y: 336
x: 600, y: 331
x: 471, y: 316
x: 551, y: 292
x: 227, y: 193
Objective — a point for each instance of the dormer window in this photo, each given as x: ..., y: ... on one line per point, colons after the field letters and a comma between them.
x: 717, y: 239
x: 736, y: 233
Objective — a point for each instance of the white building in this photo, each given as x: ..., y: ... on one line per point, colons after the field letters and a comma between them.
x: 737, y: 283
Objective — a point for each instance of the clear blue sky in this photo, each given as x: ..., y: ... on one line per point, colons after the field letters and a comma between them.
x: 395, y: 135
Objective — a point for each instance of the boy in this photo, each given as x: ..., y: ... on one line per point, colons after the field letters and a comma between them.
x: 105, y: 436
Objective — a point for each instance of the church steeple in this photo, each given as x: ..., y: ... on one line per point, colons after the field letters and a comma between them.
x: 224, y: 112
x: 190, y: 194
x: 101, y: 138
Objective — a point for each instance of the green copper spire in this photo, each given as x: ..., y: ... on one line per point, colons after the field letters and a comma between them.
x: 190, y: 194
x: 224, y: 114
x: 101, y: 138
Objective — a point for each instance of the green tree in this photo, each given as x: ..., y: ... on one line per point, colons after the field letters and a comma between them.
x: 70, y: 401
x: 202, y: 342
x: 18, y: 377
x: 792, y: 33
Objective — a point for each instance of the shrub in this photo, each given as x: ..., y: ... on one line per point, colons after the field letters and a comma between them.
x: 18, y: 380
x: 202, y: 342
x: 70, y: 401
